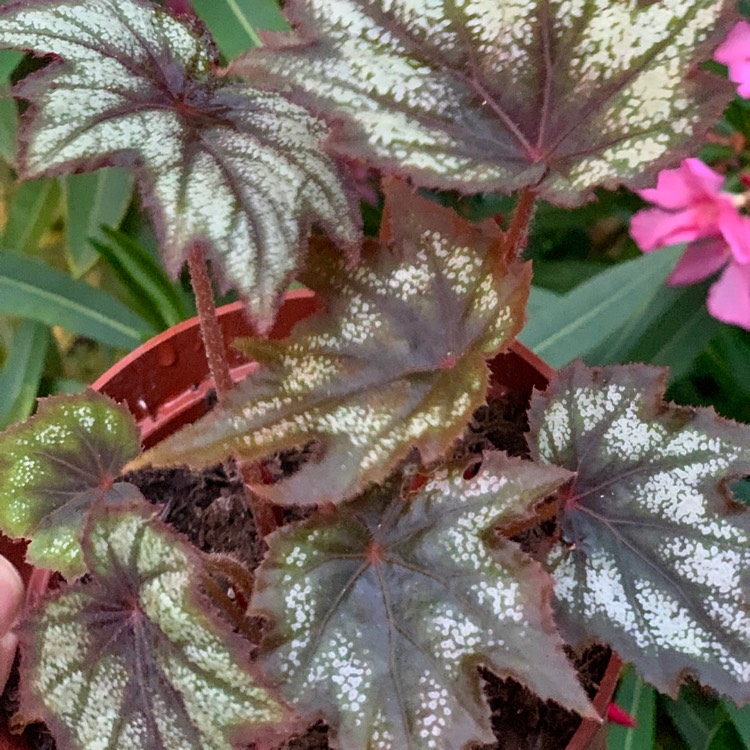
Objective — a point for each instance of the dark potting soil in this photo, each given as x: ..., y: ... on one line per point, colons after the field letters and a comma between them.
x: 209, y: 507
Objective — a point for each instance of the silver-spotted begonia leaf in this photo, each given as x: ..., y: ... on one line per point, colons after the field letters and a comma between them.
x: 382, y: 610
x: 236, y: 170
x: 396, y: 361
x: 55, y: 466
x: 132, y: 659
x: 497, y: 94
x: 656, y: 560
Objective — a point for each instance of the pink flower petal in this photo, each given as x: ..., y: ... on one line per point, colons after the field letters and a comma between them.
x: 670, y: 193
x: 703, y: 180
x: 729, y: 297
x: 678, y: 188
x: 734, y: 52
x: 740, y: 73
x: 735, y: 229
x: 654, y: 228
x: 736, y: 46
x: 701, y: 259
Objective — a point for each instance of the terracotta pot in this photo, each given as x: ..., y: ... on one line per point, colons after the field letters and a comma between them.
x: 165, y: 384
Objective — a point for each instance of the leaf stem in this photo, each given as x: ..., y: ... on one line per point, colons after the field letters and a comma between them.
x: 213, y: 341
x: 244, y: 23
x: 546, y: 512
x: 264, y: 514
x: 517, y: 234
x: 218, y: 365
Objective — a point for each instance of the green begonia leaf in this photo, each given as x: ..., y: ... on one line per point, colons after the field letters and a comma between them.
x: 487, y: 95
x: 55, y: 466
x: 382, y: 610
x: 132, y: 659
x: 656, y: 552
x: 222, y: 165
x: 397, y: 360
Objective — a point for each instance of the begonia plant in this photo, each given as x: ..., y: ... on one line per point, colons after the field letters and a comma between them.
x: 405, y: 572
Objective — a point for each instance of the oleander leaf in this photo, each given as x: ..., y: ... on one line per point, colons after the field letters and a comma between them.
x: 487, y: 95
x: 656, y: 552
x: 55, y: 466
x: 222, y: 165
x: 397, y: 600
x: 397, y: 360
x: 133, y: 658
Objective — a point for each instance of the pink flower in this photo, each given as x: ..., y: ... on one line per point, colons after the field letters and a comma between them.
x: 734, y: 52
x: 691, y: 207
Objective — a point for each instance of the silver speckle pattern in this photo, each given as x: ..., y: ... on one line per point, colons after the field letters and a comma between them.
x: 397, y: 361
x: 55, y: 466
x: 238, y: 170
x: 657, y: 556
x: 488, y: 94
x: 131, y: 661
x: 381, y: 611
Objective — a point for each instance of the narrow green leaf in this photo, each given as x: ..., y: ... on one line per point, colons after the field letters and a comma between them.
x: 235, y: 24
x: 157, y: 296
x: 35, y: 291
x: 90, y: 201
x: 56, y: 466
x: 732, y: 353
x: 639, y: 700
x: 539, y: 300
x: 561, y: 276
x: 697, y: 718
x: 726, y: 738
x: 741, y: 719
x: 141, y: 304
x: 576, y: 322
x: 32, y: 210
x: 672, y: 329
x: 8, y: 129
x: 667, y: 737
x: 680, y: 341
x: 396, y: 362
x: 397, y: 598
x: 8, y: 63
x: 19, y: 379
x: 643, y: 323
x: 134, y: 659
x: 654, y: 552
x: 8, y: 113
